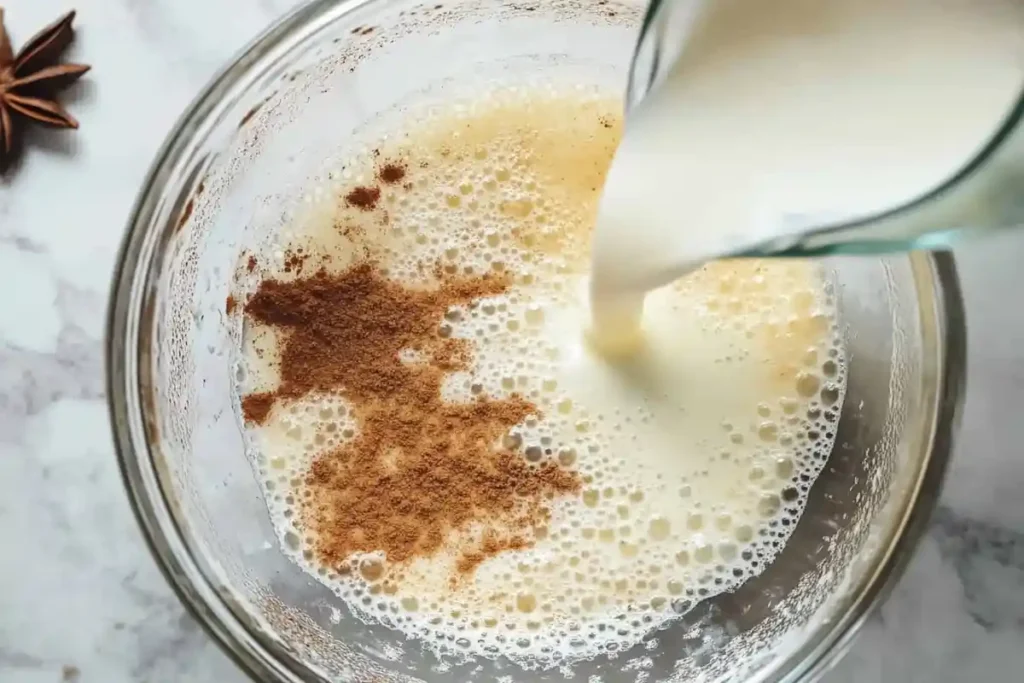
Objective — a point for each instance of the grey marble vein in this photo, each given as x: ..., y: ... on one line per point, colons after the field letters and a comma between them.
x: 989, y: 562
x: 30, y: 380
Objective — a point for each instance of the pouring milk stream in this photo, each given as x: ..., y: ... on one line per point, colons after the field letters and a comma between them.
x: 788, y: 108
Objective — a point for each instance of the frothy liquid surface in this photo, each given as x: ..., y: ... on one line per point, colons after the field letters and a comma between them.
x: 693, y: 457
x: 797, y: 113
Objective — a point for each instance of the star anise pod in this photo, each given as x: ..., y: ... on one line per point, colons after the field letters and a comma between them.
x: 30, y: 81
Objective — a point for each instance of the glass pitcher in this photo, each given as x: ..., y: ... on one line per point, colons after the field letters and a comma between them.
x: 985, y: 195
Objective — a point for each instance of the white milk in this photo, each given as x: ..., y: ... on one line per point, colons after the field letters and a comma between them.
x: 796, y: 107
x: 697, y: 452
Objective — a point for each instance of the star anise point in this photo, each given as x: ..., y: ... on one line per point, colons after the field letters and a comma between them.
x: 30, y: 80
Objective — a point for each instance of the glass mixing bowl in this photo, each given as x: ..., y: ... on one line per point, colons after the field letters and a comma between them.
x: 240, y: 163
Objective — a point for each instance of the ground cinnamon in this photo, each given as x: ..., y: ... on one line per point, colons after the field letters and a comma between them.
x: 421, y: 471
x: 364, y: 198
x: 391, y: 173
x: 256, y: 407
x: 295, y: 260
x: 491, y: 545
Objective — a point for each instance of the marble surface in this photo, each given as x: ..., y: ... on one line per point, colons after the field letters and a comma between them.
x: 80, y: 598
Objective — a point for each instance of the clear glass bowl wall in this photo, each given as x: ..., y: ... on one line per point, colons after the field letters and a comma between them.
x: 235, y: 170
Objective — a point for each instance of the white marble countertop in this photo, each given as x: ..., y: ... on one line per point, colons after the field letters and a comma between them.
x: 80, y: 598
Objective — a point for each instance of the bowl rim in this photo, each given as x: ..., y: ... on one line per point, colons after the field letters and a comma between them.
x: 264, y: 658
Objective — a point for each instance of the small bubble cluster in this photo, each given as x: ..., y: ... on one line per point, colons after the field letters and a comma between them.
x: 282, y: 454
x: 696, y: 457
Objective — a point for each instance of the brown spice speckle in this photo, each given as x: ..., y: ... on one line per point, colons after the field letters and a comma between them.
x: 230, y: 304
x: 256, y: 407
x: 186, y: 213
x: 250, y: 264
x: 364, y: 198
x: 491, y: 546
x: 391, y: 173
x: 295, y: 260
x: 251, y: 113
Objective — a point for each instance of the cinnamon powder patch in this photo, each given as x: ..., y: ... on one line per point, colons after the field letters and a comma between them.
x: 420, y: 468
x: 256, y: 407
x: 391, y: 173
x: 364, y: 198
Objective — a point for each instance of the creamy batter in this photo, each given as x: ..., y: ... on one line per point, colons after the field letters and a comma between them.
x: 694, y: 455
x: 787, y: 108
